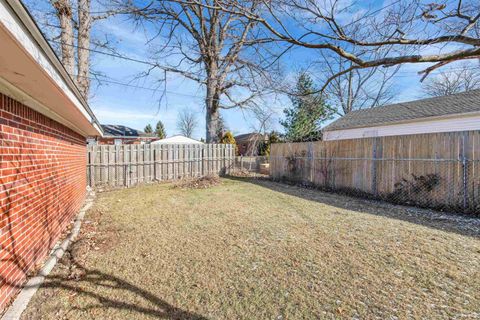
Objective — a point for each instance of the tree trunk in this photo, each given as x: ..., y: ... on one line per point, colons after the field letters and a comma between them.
x: 64, y: 13
x: 212, y: 105
x: 212, y: 119
x: 84, y: 28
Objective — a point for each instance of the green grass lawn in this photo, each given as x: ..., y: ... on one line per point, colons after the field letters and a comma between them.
x: 262, y: 250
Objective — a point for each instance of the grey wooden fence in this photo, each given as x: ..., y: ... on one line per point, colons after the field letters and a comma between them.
x: 128, y: 165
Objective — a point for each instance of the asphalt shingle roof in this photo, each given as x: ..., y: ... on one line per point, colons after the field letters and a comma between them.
x: 431, y: 107
x: 122, y: 131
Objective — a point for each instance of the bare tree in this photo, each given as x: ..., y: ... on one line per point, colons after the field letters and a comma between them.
x: 76, y: 23
x: 187, y: 122
x: 218, y: 50
x: 263, y: 122
x: 83, y: 52
x: 437, y: 33
x: 64, y: 11
x: 450, y: 82
x: 356, y: 89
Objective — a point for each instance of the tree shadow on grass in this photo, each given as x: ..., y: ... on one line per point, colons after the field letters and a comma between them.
x: 21, y: 251
x: 158, y: 308
x: 450, y: 222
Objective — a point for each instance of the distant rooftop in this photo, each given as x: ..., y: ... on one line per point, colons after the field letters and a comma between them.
x: 177, y: 139
x: 459, y: 103
x: 249, y: 136
x: 114, y: 130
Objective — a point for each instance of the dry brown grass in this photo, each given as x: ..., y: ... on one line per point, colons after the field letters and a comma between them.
x: 264, y: 250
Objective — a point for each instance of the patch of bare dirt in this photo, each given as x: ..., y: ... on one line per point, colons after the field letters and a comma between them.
x: 89, y: 239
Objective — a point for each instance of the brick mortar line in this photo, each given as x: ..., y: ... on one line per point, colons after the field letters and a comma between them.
x: 14, y: 312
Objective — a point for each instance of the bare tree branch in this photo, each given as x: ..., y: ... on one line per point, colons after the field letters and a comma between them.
x: 213, y: 47
x: 438, y: 33
x: 450, y: 82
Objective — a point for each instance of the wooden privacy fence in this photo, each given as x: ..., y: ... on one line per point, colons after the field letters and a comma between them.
x: 127, y: 165
x: 439, y: 171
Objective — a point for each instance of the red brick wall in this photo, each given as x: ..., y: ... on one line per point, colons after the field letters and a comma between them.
x: 42, y: 185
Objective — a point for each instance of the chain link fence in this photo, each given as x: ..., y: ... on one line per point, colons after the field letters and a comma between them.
x: 403, y: 170
x: 442, y: 184
x: 251, y: 166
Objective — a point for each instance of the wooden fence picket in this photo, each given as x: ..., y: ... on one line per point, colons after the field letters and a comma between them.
x: 438, y: 170
x: 129, y: 165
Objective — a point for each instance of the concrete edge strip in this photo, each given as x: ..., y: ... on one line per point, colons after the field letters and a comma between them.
x: 22, y: 300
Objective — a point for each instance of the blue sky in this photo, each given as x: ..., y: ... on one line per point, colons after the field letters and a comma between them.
x: 137, y: 104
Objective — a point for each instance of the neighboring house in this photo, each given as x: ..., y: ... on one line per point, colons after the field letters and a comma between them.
x: 178, y: 139
x: 248, y: 143
x: 118, y: 134
x: 44, y: 122
x: 457, y: 112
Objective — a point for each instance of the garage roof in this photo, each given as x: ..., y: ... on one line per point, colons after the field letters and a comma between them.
x: 461, y: 103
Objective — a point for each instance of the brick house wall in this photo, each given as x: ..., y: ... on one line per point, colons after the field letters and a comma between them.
x: 42, y: 185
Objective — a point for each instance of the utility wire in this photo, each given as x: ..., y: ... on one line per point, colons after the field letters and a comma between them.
x: 124, y: 57
x: 113, y: 81
x: 115, y: 55
x: 371, y: 13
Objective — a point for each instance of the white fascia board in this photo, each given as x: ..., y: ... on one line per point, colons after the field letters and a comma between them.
x: 17, y: 21
x: 22, y: 97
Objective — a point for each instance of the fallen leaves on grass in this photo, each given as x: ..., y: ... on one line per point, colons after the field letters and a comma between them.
x: 244, y: 173
x: 198, y: 183
x: 89, y: 239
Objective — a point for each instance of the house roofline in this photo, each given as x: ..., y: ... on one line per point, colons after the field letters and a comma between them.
x: 30, y: 26
x: 380, y: 124
x: 129, y: 137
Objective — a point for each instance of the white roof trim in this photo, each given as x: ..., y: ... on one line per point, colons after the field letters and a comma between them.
x: 16, y: 20
x: 22, y: 97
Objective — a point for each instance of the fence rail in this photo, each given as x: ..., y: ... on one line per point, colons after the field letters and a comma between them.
x: 440, y: 171
x: 127, y: 165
